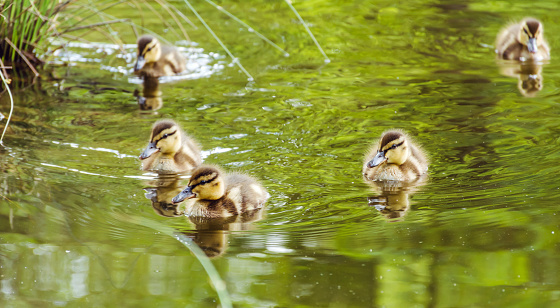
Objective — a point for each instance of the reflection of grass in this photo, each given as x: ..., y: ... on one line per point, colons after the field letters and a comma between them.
x: 213, y: 274
x: 11, y: 102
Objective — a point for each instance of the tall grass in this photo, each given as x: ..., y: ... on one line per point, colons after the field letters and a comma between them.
x: 25, y: 25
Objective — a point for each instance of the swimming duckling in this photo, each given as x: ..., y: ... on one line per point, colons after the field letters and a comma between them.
x: 523, y: 41
x: 170, y: 150
x: 394, y: 158
x: 218, y: 195
x: 156, y: 60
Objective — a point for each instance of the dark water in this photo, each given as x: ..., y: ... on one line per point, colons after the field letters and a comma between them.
x: 77, y: 229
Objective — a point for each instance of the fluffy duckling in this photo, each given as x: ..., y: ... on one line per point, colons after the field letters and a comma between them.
x: 217, y: 195
x: 523, y: 41
x: 170, y: 150
x: 156, y: 60
x: 394, y: 158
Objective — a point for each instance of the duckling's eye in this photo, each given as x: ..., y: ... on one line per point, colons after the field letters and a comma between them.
x: 393, y: 146
x: 525, y: 30
x: 165, y: 136
x: 153, y: 47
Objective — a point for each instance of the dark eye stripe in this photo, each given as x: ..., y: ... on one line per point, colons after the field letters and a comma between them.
x: 394, y: 146
x: 165, y: 136
x: 204, y: 182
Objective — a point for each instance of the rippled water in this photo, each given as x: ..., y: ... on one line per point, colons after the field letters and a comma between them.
x: 78, y: 227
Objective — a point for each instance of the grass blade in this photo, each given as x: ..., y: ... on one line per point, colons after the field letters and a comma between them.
x: 249, y: 28
x: 6, y: 84
x: 235, y: 60
x: 289, y: 2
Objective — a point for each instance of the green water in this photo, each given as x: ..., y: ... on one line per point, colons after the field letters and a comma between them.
x: 77, y: 230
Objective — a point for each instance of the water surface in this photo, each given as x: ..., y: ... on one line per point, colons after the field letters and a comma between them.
x: 77, y: 228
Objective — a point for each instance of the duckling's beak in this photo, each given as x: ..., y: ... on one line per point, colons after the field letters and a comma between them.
x: 151, y: 149
x: 532, y: 45
x: 185, y: 194
x: 377, y: 160
x: 139, y: 63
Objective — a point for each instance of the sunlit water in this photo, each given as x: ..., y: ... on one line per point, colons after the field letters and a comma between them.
x: 78, y: 227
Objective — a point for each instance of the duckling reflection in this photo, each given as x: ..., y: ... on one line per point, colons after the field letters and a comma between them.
x: 211, y: 234
x: 151, y: 95
x: 529, y: 75
x: 163, y: 189
x: 392, y: 198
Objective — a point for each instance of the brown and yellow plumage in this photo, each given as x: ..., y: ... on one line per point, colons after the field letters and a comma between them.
x: 523, y: 41
x: 170, y: 150
x: 156, y: 60
x: 215, y: 194
x: 394, y: 158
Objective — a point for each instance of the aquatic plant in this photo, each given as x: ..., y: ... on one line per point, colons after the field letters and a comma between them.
x: 24, y: 26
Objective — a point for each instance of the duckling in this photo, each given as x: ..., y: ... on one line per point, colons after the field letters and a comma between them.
x: 394, y: 158
x: 170, y: 150
x: 217, y: 195
x: 523, y: 41
x: 156, y: 60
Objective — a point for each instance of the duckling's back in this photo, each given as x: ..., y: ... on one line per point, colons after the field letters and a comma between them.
x: 245, y: 192
x: 189, y: 155
x: 243, y: 196
x: 507, y: 45
x: 170, y: 63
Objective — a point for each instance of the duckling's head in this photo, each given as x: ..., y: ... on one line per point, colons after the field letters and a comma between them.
x: 165, y: 138
x: 149, y: 50
x: 393, y: 148
x: 206, y: 183
x: 531, y: 34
